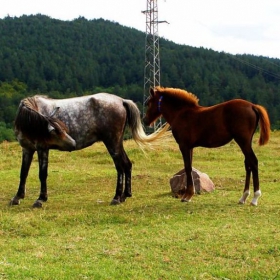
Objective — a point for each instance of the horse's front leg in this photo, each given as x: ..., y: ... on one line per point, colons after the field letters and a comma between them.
x: 27, y: 156
x: 190, y: 190
x: 43, y: 157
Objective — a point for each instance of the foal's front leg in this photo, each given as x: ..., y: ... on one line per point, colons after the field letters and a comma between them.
x: 43, y: 157
x: 27, y: 156
x: 190, y: 190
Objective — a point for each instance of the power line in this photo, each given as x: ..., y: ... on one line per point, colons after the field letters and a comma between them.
x: 272, y: 74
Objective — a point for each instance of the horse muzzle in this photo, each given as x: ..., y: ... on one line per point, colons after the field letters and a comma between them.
x: 146, y: 121
x: 71, y: 144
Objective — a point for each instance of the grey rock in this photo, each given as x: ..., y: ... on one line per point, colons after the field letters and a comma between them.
x: 202, y: 182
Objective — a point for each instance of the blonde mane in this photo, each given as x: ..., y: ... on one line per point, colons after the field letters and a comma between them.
x: 179, y: 93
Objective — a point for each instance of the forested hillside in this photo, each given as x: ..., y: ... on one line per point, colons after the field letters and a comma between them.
x: 39, y: 54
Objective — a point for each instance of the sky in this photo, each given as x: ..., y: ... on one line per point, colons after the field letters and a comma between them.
x: 231, y: 26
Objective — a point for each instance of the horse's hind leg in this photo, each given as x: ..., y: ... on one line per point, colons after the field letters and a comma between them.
x: 119, y: 188
x: 246, y: 191
x: 251, y: 165
x: 256, y: 183
x: 127, y: 183
x: 123, y: 167
x: 122, y: 163
x: 27, y: 156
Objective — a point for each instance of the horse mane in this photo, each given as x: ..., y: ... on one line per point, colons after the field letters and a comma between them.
x: 180, y: 94
x: 34, y: 125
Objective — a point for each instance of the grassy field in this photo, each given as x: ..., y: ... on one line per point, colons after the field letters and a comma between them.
x: 78, y: 235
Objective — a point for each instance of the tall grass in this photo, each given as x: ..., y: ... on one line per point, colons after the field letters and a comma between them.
x: 78, y: 235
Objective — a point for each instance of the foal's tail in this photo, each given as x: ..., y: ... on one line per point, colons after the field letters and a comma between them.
x: 264, y: 124
x: 135, y: 124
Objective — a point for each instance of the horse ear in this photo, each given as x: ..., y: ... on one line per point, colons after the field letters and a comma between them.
x: 50, y: 128
x: 54, y: 112
x: 152, y: 93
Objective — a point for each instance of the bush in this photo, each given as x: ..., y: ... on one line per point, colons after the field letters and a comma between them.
x: 6, y: 134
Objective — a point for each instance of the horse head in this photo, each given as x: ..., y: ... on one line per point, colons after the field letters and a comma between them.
x: 41, y: 130
x: 153, y: 105
x: 59, y: 138
x: 58, y: 134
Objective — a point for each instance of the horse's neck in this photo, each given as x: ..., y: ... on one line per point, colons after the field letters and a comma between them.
x: 171, y: 108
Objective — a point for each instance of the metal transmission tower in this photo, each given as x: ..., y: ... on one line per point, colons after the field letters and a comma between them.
x: 152, y: 60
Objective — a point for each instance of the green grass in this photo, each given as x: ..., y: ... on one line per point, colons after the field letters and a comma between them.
x: 78, y: 235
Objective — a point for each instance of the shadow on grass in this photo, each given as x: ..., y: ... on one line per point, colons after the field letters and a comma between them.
x: 166, y: 194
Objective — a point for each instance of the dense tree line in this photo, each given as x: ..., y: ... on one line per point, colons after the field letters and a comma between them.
x: 39, y: 54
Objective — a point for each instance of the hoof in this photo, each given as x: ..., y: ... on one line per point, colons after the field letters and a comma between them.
x: 14, y: 201
x: 38, y: 204
x: 123, y: 198
x: 253, y: 204
x: 115, y: 202
x: 254, y: 201
x: 245, y: 195
x: 185, y: 200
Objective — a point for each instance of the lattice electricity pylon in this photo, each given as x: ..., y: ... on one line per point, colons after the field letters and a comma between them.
x: 152, y: 59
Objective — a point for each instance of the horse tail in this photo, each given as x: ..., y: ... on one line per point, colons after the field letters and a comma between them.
x: 136, y: 127
x: 264, y: 123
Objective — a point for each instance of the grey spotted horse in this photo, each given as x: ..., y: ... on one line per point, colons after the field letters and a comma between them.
x: 75, y: 123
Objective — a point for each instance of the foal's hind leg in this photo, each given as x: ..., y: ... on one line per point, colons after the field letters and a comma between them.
x: 256, y: 183
x: 251, y: 165
x: 246, y: 191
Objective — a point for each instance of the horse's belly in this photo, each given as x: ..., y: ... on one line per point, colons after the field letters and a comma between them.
x: 84, y: 140
x: 214, y: 141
